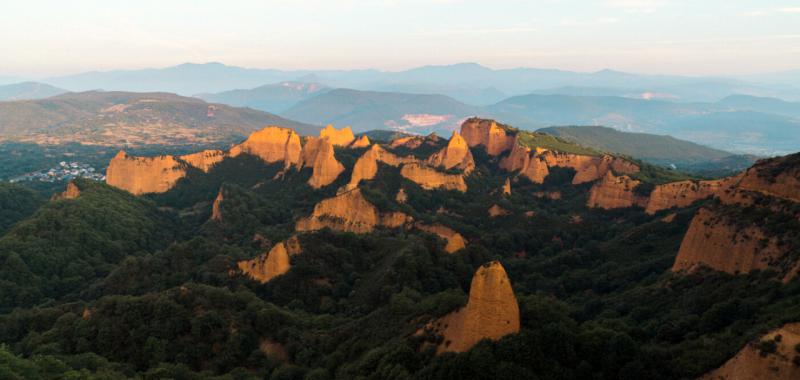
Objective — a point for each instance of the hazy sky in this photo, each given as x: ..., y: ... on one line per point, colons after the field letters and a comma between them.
x: 39, y: 38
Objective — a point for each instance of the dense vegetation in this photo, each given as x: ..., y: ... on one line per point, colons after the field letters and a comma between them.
x: 127, y: 287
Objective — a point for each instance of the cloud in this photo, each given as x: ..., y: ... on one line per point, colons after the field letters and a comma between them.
x: 766, y: 12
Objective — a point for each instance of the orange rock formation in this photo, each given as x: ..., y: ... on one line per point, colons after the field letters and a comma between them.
x: 319, y: 155
x: 684, y: 193
x: 615, y: 192
x: 589, y: 168
x: 216, y: 211
x: 401, y: 196
x: 141, y: 175
x: 267, y: 266
x: 272, y: 144
x: 72, y: 191
x: 361, y: 142
x: 492, y: 312
x: 487, y: 133
x: 530, y: 165
x: 496, y: 211
x: 716, y: 242
x: 751, y: 364
x: 455, y: 155
x: 507, y: 187
x: 350, y: 211
x: 203, y: 160
x: 454, y: 239
x: 366, y: 166
x: 338, y: 137
x: 430, y: 178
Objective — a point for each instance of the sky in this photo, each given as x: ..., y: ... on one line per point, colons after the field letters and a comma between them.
x: 40, y: 38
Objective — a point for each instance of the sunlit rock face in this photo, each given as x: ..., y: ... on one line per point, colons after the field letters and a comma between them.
x: 487, y: 133
x: 751, y: 364
x: 366, y: 166
x: 724, y: 236
x: 272, y: 144
x: 615, y: 192
x: 71, y: 192
x: 142, y: 175
x: 507, y: 187
x: 528, y: 163
x: 684, y: 193
x: 350, y: 212
x: 492, y: 312
x: 203, y: 160
x: 361, y: 142
x: 318, y: 154
x: 589, y: 168
x: 267, y: 266
x: 338, y: 137
x: 429, y: 178
x: 216, y: 207
x: 456, y: 155
x: 455, y: 241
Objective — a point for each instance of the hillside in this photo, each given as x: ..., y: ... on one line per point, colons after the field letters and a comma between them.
x: 274, y: 98
x: 656, y: 149
x: 366, y: 110
x: 495, y: 254
x: 711, y: 124
x: 762, y: 104
x: 28, y: 90
x: 131, y: 119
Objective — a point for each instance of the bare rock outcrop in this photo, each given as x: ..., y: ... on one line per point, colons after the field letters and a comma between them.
x: 684, y: 193
x: 351, y: 212
x: 361, y: 142
x: 493, y: 136
x: 71, y: 192
x: 267, y: 266
x: 338, y: 137
x: 753, y: 364
x: 216, y: 207
x: 454, y: 239
x: 530, y: 164
x: 456, y: 155
x: 318, y: 154
x: 589, y: 168
x: 401, y: 196
x: 430, y: 178
x: 203, y: 160
x: 366, y: 166
x: 492, y: 312
x: 716, y: 242
x: 497, y: 211
x: 414, y: 142
x: 272, y: 144
x: 507, y: 187
x: 615, y: 192
x: 142, y: 175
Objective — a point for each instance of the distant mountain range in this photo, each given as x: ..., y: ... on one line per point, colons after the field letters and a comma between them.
x: 132, y: 119
x: 275, y: 98
x: 28, y: 90
x: 655, y: 149
x: 467, y: 82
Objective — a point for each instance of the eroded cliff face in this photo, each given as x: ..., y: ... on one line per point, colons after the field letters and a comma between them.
x: 589, y: 168
x: 318, y: 154
x: 529, y: 164
x: 216, y: 210
x: 492, y: 312
x: 272, y: 144
x: 203, y: 160
x: 456, y: 155
x: 414, y: 142
x: 778, y: 177
x: 750, y: 364
x: 361, y: 142
x: 716, y: 242
x: 71, y: 192
x: 338, y: 137
x: 488, y: 133
x: 454, y: 239
x: 429, y: 178
x: 267, y: 266
x: 366, y: 166
x: 142, y: 175
x: 684, y: 193
x: 507, y: 187
x: 615, y: 192
x: 350, y: 212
